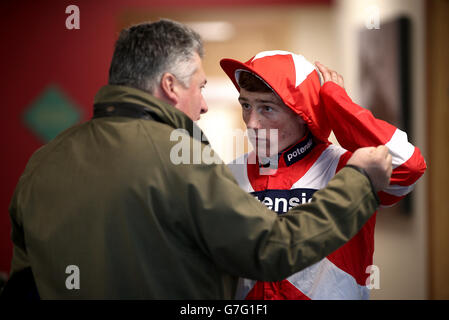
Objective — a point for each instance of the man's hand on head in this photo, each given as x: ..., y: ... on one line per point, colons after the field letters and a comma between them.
x: 330, y: 75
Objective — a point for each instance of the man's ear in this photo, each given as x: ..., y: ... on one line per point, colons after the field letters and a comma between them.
x: 169, y: 87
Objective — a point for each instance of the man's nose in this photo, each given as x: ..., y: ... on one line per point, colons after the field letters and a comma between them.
x: 253, y: 120
x: 204, y: 107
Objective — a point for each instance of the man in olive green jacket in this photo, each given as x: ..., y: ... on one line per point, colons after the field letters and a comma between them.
x: 102, y: 211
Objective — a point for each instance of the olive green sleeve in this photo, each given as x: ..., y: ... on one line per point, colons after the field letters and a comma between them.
x: 246, y: 239
x: 20, y: 258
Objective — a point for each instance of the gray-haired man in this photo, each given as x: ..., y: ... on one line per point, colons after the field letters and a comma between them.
x: 104, y: 202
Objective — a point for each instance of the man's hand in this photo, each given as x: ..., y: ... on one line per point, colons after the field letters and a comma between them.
x: 330, y: 75
x: 376, y: 162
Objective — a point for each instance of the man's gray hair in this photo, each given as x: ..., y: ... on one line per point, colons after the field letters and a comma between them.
x: 144, y: 52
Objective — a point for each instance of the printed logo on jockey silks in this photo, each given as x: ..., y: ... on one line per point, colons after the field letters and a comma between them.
x: 280, y: 201
x: 299, y: 151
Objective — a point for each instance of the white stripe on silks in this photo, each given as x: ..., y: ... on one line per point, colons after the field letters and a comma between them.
x: 400, y: 149
x: 325, y: 281
x: 322, y: 170
x: 244, y: 286
x: 270, y: 53
x: 399, y: 191
x: 321, y: 281
x: 238, y: 168
x: 302, y: 67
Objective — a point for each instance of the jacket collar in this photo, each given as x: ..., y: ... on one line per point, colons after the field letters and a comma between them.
x: 299, y: 150
x: 161, y: 110
x: 290, y: 155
